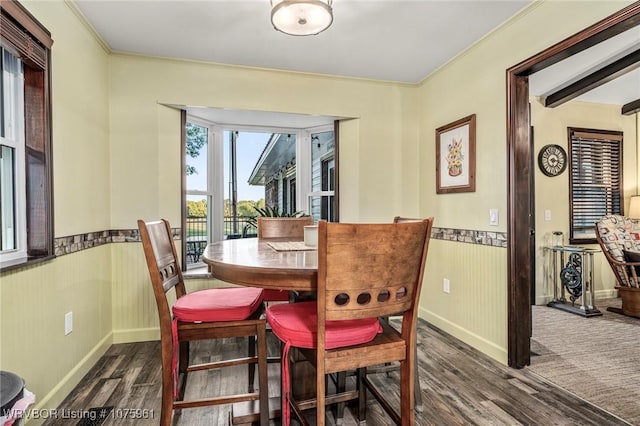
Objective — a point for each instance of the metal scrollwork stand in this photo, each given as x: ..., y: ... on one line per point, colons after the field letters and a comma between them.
x: 571, y: 277
x: 575, y: 278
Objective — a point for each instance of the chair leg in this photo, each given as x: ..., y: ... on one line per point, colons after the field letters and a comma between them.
x: 362, y: 395
x: 416, y: 382
x: 252, y: 366
x: 263, y: 383
x: 320, y: 396
x: 167, y: 385
x: 183, y: 364
x: 407, y: 392
x: 341, y: 385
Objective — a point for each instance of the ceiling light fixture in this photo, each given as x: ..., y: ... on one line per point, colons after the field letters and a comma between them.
x: 301, y: 17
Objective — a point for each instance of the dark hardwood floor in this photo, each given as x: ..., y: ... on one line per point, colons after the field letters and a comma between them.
x: 460, y: 386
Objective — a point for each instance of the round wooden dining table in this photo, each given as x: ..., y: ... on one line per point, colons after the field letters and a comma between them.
x: 256, y: 263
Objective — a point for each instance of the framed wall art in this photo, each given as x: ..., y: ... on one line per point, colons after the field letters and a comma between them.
x: 456, y: 156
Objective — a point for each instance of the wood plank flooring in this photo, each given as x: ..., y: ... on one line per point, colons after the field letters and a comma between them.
x: 460, y: 386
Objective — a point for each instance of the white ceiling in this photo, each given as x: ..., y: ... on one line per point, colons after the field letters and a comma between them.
x: 391, y: 40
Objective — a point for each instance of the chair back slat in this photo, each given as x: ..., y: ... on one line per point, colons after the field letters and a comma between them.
x: 283, y: 227
x: 369, y: 270
x: 162, y: 260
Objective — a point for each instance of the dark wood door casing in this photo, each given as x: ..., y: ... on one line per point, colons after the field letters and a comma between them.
x: 520, y: 172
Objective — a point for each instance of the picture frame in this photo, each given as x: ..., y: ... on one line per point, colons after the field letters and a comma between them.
x: 456, y: 156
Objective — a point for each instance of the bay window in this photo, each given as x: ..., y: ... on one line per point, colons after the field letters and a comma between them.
x: 231, y: 172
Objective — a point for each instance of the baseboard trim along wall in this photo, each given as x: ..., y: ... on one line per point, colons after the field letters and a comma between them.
x: 59, y: 392
x: 483, y: 345
x: 136, y: 335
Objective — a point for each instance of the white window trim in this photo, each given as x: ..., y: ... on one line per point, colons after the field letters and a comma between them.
x: 14, y: 96
x: 215, y: 182
x: 308, y: 194
x: 303, y: 170
x: 215, y: 160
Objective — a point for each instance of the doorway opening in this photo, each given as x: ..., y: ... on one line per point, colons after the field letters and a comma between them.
x: 521, y: 228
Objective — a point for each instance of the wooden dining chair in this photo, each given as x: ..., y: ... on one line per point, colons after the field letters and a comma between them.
x: 201, y: 315
x: 389, y: 367
x: 282, y: 227
x: 365, y: 271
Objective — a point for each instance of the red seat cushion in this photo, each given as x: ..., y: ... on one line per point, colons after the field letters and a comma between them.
x: 296, y: 324
x: 218, y: 304
x: 276, y: 295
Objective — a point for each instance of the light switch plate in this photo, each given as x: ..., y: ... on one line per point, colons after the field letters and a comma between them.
x: 68, y: 323
x: 493, y: 217
x: 547, y: 215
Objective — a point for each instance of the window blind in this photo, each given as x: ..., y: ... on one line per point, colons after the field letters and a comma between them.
x: 595, y: 186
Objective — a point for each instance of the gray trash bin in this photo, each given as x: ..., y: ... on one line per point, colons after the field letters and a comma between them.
x: 11, y: 391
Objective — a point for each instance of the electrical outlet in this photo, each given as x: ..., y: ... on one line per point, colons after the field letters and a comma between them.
x: 68, y: 323
x: 446, y: 285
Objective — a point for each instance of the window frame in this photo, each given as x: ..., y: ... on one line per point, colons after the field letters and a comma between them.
x: 16, y: 142
x: 326, y: 195
x: 302, y: 173
x: 214, y: 182
x: 22, y: 33
x: 616, y: 205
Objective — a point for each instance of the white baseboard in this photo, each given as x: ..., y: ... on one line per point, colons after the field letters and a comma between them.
x: 136, y: 335
x: 52, y: 400
x: 480, y: 343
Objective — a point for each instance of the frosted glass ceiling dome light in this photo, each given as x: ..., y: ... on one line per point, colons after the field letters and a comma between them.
x: 301, y: 17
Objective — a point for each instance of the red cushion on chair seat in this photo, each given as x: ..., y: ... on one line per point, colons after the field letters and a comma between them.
x: 276, y: 295
x: 296, y: 323
x: 218, y: 304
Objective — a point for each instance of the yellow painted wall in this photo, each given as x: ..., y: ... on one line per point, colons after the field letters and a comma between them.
x: 384, y: 124
x: 552, y: 193
x: 475, y: 83
x: 34, y: 303
x: 34, y: 300
x: 145, y: 140
x: 475, y: 308
x: 116, y: 159
x: 80, y: 122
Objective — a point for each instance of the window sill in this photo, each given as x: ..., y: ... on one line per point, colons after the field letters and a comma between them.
x: 201, y: 272
x: 9, y: 266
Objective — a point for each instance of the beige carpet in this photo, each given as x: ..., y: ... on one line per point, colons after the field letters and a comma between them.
x: 596, y: 358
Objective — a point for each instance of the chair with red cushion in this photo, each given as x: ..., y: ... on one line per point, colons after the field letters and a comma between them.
x: 201, y: 315
x: 365, y: 271
x: 285, y: 228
